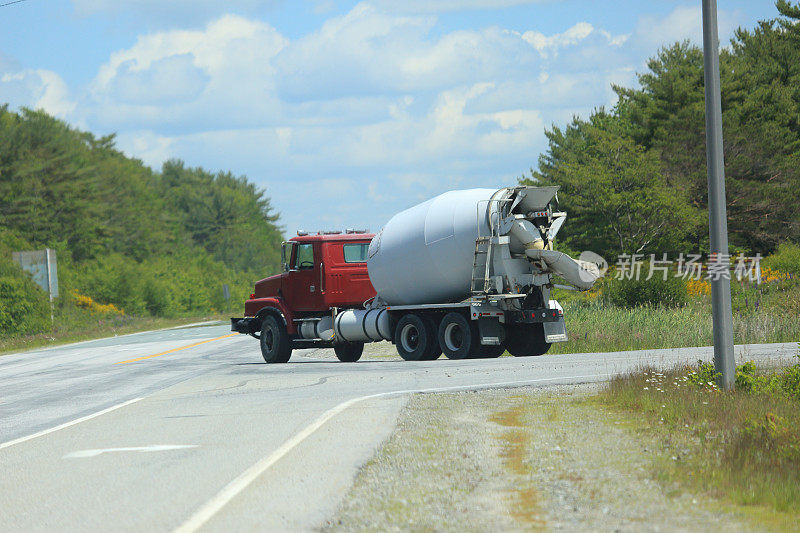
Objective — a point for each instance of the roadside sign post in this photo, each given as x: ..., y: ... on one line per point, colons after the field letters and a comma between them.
x: 226, y: 293
x: 717, y: 217
x: 41, y: 265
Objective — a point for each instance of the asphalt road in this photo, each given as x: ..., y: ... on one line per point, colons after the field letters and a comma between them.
x: 187, y: 428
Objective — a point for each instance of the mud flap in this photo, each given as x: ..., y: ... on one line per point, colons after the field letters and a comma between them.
x: 491, y: 331
x: 555, y: 331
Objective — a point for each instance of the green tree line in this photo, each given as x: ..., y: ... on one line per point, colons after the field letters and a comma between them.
x: 148, y: 242
x: 633, y: 178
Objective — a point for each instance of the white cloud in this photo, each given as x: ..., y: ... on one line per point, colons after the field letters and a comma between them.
x: 370, y: 52
x: 151, y: 148
x: 219, y: 75
x: 573, y: 35
x: 580, y: 40
x: 362, y: 68
x: 360, y: 52
x: 445, y: 137
x: 684, y: 22
x: 230, y: 43
x: 438, y: 6
x: 167, y: 80
x: 35, y: 88
x: 54, y: 94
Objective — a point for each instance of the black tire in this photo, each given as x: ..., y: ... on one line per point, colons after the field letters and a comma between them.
x: 434, y: 351
x: 276, y: 346
x: 490, y: 351
x: 349, y: 352
x: 525, y: 340
x: 457, y: 338
x: 412, y: 337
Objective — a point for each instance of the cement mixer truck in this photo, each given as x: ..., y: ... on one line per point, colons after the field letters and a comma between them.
x: 467, y: 274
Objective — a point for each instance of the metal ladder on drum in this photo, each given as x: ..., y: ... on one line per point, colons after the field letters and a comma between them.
x: 480, y: 269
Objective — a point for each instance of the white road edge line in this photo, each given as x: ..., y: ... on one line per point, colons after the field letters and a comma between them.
x: 232, y: 489
x: 68, y: 424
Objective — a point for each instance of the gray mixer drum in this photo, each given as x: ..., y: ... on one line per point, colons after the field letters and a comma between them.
x: 425, y: 254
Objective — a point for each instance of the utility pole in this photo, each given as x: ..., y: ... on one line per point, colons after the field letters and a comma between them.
x: 717, y: 217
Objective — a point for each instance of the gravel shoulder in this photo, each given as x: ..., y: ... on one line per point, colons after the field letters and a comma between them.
x: 518, y: 460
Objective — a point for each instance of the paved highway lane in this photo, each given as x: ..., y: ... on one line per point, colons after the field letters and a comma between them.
x: 43, y: 388
x: 219, y: 440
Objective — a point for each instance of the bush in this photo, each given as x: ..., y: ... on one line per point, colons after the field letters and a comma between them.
x: 785, y: 382
x: 745, y: 376
x: 772, y: 436
x: 750, y: 380
x: 785, y: 259
x: 704, y: 376
x: 170, y: 286
x: 790, y: 381
x: 656, y: 291
x: 23, y: 307
x: 158, y: 298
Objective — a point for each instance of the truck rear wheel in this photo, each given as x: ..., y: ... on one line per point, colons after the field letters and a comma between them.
x: 276, y: 346
x: 457, y: 338
x: 490, y: 351
x: 349, y: 352
x: 523, y: 340
x: 434, y: 350
x: 413, y: 337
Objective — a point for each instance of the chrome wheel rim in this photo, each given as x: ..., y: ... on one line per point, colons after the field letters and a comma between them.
x: 453, y: 337
x: 409, y: 338
x: 269, y: 339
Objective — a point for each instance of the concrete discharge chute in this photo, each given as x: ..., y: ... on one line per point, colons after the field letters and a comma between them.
x: 579, y: 274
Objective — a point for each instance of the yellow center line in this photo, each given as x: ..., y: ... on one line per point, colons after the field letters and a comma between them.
x: 175, y: 349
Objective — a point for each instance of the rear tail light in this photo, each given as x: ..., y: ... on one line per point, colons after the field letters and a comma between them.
x: 253, y: 295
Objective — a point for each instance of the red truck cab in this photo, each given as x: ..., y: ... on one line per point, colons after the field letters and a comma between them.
x: 321, y: 273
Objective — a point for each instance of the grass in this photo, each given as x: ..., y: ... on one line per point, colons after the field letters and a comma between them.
x: 82, y: 331
x: 760, y: 315
x: 742, y: 447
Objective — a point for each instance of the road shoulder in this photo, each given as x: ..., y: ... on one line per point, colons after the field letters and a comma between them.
x: 524, y: 459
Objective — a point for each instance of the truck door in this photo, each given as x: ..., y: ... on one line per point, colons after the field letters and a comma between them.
x: 303, y: 292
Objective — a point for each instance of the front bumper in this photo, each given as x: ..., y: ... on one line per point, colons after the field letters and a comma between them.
x: 246, y: 325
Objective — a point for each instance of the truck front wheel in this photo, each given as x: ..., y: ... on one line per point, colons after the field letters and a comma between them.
x: 276, y: 346
x: 349, y: 352
x: 523, y: 340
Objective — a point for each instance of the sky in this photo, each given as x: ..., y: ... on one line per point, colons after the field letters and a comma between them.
x: 343, y: 112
